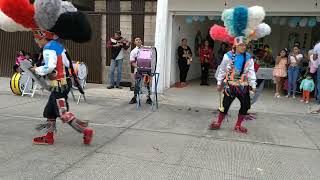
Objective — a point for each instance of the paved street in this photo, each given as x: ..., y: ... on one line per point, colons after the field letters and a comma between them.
x: 171, y: 143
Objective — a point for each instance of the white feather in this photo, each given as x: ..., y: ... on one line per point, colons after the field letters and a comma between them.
x: 256, y: 15
x: 262, y: 30
x: 67, y: 6
x: 47, y: 13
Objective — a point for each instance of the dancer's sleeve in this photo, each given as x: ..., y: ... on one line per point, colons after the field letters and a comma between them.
x: 50, y: 60
x: 222, y: 70
x: 252, y: 74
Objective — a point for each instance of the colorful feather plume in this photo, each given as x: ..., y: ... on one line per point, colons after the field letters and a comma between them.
x: 19, y: 11
x: 256, y: 16
x: 261, y: 31
x: 245, y: 22
x: 240, y: 20
x: 227, y: 18
x: 56, y: 16
x: 220, y: 33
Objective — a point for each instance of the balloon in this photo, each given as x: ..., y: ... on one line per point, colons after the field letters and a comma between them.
x: 202, y: 18
x: 303, y: 22
x: 294, y: 21
x: 312, y: 22
x: 217, y: 18
x: 318, y: 18
x: 189, y: 19
x: 196, y: 18
x: 211, y: 18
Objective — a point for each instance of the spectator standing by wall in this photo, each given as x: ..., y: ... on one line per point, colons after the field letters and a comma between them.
x: 295, y: 59
x: 118, y: 45
x: 184, y: 60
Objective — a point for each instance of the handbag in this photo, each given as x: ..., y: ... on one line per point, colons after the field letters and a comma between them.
x: 189, y: 60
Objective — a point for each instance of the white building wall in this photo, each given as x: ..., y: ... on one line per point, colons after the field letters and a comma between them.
x: 215, y: 7
x: 183, y: 30
x: 272, y: 6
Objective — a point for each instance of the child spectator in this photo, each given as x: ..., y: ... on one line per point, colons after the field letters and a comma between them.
x: 307, y: 85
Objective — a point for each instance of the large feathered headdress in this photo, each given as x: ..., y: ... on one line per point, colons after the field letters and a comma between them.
x: 242, y: 24
x: 46, y: 18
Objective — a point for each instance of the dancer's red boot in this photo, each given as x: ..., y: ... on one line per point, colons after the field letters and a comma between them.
x: 238, y: 128
x: 216, y: 125
x: 87, y: 136
x: 46, y: 139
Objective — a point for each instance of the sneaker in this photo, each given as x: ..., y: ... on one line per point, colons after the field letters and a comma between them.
x: 149, y: 101
x: 287, y: 96
x: 118, y: 87
x: 110, y: 87
x: 131, y: 88
x: 46, y: 139
x: 133, y: 101
x: 307, y: 102
x: 301, y: 100
x: 293, y: 97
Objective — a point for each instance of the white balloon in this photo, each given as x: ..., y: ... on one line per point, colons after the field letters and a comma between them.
x: 318, y: 18
x: 196, y: 18
x: 303, y: 22
x: 211, y: 18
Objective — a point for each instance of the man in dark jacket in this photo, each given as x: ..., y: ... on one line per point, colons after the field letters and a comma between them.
x: 118, y: 45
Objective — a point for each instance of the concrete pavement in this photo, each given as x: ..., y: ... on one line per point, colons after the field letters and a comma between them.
x: 171, y: 143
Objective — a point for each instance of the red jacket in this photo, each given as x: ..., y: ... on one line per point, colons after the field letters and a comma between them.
x: 205, y: 52
x: 256, y: 67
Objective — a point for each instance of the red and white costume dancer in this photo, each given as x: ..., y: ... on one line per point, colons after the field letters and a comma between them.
x: 51, y: 20
x: 236, y: 75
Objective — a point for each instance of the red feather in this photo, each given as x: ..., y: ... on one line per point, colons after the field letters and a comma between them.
x: 21, y: 11
x: 220, y: 33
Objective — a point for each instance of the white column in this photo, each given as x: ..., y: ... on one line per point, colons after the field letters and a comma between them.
x: 160, y: 42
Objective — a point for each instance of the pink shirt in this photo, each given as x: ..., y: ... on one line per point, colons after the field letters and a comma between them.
x: 313, y: 64
x: 294, y: 61
x: 19, y: 59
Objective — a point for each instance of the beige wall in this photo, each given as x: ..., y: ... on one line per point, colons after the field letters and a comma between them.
x: 180, y: 29
x: 150, y: 23
x: 183, y: 30
x: 100, y: 5
x: 274, y: 6
x: 126, y: 29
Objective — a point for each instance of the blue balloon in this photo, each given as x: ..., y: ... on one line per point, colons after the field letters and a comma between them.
x: 312, y: 22
x: 202, y: 18
x: 294, y: 21
x: 217, y: 18
x: 189, y: 19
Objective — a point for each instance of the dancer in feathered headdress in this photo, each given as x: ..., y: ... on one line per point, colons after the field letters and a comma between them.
x: 51, y: 20
x: 236, y: 75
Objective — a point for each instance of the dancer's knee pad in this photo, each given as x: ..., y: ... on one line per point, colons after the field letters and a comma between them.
x: 62, y: 106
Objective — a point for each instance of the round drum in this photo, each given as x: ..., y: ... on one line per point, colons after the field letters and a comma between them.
x: 19, y: 81
x: 81, y: 70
